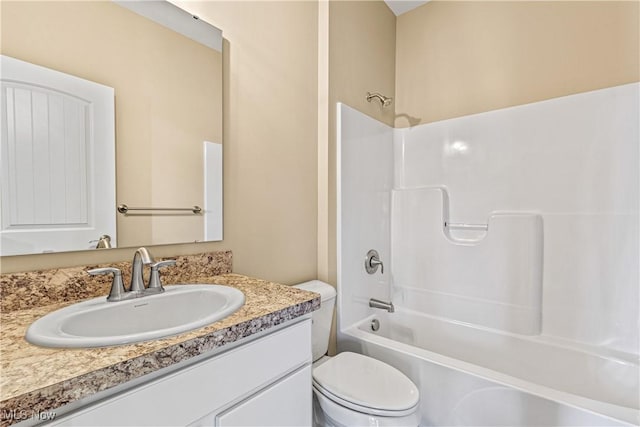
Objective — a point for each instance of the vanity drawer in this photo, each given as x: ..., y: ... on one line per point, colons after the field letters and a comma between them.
x: 208, y: 387
x: 278, y: 405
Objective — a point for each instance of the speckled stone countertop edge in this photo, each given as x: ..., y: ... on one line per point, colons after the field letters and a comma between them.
x: 54, y: 396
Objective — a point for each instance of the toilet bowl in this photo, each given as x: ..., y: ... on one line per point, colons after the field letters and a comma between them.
x: 352, y: 389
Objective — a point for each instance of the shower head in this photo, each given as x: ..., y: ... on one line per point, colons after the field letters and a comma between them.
x: 384, y: 100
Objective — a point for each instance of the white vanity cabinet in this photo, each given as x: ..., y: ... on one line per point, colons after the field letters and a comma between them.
x: 265, y: 381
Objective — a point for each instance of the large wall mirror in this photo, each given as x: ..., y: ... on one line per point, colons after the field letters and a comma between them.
x: 167, y: 126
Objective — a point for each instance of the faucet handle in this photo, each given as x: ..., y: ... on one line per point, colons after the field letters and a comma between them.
x: 117, y: 287
x: 154, y: 280
x: 372, y: 261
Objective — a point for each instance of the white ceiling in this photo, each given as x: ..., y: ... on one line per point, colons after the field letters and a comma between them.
x: 401, y: 6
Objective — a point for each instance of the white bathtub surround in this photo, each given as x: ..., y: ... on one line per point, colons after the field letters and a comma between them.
x: 575, y: 161
x: 541, y: 287
x: 368, y: 162
x: 492, y: 279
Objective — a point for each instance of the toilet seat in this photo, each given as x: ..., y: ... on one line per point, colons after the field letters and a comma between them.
x: 368, y: 410
x: 328, y: 413
x: 366, y: 385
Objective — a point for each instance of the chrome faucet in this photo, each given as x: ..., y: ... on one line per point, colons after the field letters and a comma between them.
x: 140, y: 258
x: 136, y: 289
x: 384, y: 305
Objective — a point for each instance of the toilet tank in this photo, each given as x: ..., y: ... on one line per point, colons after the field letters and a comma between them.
x: 322, y: 317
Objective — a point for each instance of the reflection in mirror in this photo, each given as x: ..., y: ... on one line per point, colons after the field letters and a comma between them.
x: 168, y: 121
x: 57, y: 162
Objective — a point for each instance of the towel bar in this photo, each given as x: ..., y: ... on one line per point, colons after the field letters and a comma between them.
x: 123, y: 209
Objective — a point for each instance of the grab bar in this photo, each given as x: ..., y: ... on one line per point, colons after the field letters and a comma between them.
x: 123, y: 209
x: 464, y: 226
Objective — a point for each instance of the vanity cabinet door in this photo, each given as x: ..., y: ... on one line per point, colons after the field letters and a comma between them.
x: 279, y: 405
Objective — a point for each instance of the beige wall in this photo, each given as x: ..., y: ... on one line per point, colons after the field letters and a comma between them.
x: 270, y: 122
x: 270, y: 158
x: 458, y: 58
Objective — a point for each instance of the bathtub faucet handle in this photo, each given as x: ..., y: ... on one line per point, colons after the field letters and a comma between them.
x: 372, y: 261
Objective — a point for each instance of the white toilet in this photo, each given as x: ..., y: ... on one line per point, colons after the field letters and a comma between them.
x: 351, y: 389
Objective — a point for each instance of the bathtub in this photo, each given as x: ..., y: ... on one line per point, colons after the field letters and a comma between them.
x: 477, y: 376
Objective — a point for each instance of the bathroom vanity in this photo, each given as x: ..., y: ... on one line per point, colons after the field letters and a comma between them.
x: 241, y: 386
x: 223, y: 374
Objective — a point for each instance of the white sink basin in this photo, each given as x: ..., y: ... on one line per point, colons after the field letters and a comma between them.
x: 98, y: 323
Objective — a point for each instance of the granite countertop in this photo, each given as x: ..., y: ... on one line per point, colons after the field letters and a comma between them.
x: 38, y: 380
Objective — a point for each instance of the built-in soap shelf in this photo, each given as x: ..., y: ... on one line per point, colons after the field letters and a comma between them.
x: 489, y: 274
x: 460, y: 232
x: 476, y: 233
x: 469, y: 232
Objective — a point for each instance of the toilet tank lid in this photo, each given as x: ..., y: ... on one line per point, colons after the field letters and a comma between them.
x: 325, y: 290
